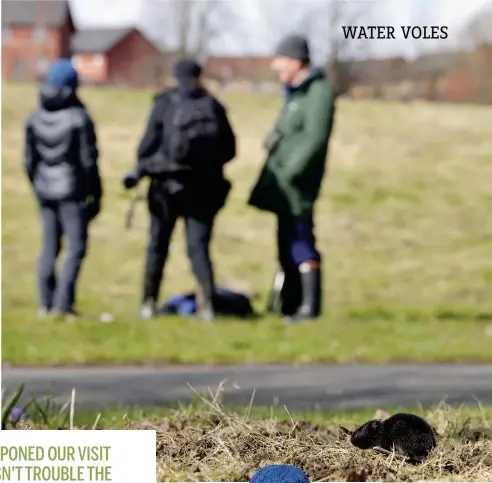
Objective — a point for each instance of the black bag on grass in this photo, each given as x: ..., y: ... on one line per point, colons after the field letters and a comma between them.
x: 226, y: 302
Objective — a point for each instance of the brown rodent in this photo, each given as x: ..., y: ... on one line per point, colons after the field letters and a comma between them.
x: 406, y: 434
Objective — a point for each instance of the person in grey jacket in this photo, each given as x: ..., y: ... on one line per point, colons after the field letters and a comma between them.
x: 61, y: 162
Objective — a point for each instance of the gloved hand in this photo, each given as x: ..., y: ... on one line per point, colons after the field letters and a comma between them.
x: 130, y: 180
x: 93, y: 207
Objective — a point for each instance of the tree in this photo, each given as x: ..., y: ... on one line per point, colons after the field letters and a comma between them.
x: 478, y: 31
x: 187, y: 27
x: 341, y: 70
x: 478, y: 39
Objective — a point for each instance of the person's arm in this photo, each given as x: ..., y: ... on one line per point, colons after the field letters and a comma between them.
x: 227, y: 136
x: 151, y: 140
x: 31, y: 157
x: 89, y: 156
x: 299, y: 150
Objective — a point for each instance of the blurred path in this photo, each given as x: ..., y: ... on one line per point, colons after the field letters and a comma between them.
x: 298, y: 387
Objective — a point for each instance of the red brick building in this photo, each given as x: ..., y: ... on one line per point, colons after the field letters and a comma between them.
x: 237, y: 68
x: 119, y: 56
x: 34, y: 34
x: 37, y: 32
x: 472, y: 77
x: 447, y: 77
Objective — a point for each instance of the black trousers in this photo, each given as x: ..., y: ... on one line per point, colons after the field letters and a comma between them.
x: 165, y: 209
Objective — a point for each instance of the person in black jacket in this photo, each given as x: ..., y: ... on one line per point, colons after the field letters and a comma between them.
x: 61, y: 161
x: 187, y: 141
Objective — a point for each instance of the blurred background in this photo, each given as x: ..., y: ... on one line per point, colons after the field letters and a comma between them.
x: 134, y: 42
x: 403, y: 220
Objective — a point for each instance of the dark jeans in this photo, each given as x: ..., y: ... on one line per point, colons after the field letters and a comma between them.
x: 199, y: 226
x: 296, y: 244
x: 296, y: 240
x: 61, y: 218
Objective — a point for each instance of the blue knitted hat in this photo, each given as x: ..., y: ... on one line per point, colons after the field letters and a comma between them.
x: 62, y: 74
x: 279, y: 474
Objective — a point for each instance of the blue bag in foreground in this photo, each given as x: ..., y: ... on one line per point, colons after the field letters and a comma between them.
x: 280, y: 474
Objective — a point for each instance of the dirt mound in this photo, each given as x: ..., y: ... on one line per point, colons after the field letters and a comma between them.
x: 226, y: 447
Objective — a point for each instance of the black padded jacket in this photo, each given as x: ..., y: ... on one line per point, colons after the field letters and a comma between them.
x: 61, y: 154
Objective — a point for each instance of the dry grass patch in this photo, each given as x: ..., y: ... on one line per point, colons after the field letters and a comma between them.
x: 207, y: 442
x: 217, y: 446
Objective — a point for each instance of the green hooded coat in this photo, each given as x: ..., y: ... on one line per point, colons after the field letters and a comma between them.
x: 290, y: 180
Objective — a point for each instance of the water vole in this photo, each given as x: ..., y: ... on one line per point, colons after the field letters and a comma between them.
x: 407, y: 434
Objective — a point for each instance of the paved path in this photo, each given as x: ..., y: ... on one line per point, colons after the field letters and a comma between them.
x: 301, y: 387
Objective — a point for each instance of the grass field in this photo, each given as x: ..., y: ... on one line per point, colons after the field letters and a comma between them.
x: 403, y: 223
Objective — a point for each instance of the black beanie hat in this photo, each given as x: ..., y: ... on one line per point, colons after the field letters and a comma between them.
x: 187, y: 69
x: 295, y: 47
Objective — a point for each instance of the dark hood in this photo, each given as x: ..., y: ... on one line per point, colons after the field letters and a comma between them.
x: 57, y: 98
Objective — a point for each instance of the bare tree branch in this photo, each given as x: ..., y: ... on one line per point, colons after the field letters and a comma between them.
x: 323, y: 24
x: 478, y: 32
x: 188, y: 26
x: 478, y: 38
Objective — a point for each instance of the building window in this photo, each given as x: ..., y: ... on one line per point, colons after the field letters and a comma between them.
x: 39, y: 35
x: 5, y: 34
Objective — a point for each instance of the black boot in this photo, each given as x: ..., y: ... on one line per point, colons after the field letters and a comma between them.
x: 291, y: 296
x: 311, y: 293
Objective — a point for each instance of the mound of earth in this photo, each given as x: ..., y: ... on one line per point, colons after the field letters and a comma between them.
x: 223, y: 447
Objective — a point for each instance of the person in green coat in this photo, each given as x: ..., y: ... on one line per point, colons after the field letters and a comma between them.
x: 290, y: 181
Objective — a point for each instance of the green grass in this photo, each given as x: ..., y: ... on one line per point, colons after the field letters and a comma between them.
x: 117, y: 418
x: 121, y: 417
x: 403, y: 223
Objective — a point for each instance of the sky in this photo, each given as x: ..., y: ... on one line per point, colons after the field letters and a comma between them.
x: 258, y: 23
